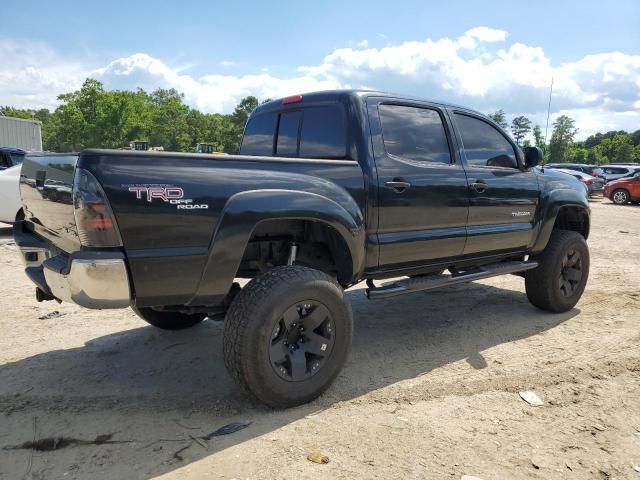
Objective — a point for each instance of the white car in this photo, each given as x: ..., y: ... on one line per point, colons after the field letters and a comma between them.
x: 10, y: 205
x: 614, y: 172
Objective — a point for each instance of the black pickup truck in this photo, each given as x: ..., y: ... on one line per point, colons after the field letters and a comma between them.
x: 329, y: 189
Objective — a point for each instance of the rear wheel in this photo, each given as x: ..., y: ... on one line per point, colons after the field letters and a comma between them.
x: 169, y: 320
x: 287, y: 335
x: 560, y: 279
x: 620, y: 197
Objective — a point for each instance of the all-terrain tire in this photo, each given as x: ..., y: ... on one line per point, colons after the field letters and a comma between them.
x: 560, y: 279
x: 620, y: 196
x: 261, y: 317
x: 169, y: 320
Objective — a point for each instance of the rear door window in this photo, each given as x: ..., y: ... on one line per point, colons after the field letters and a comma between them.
x: 414, y: 133
x: 258, y: 135
x: 288, y: 129
x: 484, y: 145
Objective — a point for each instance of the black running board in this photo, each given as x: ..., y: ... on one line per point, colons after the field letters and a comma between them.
x: 430, y: 282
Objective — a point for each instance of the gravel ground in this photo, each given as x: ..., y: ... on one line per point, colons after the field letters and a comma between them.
x: 430, y: 389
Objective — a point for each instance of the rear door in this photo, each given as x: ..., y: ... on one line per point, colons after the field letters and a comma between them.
x: 502, y: 197
x: 422, y: 189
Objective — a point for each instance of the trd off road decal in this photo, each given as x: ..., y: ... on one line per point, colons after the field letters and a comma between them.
x: 166, y: 193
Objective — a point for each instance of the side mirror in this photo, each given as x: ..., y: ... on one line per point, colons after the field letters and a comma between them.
x: 532, y: 156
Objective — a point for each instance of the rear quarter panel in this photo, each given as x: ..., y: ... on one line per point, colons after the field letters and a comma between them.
x: 168, y: 247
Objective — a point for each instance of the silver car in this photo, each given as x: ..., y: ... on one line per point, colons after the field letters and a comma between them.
x: 613, y: 172
x: 593, y: 184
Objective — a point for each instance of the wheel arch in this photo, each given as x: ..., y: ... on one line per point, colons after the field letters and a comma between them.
x: 320, y: 245
x: 250, y: 211
x: 573, y: 216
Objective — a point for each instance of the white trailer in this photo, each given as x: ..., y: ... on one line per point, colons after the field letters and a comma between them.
x: 20, y: 133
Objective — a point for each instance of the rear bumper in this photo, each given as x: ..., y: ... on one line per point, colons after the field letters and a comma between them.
x: 91, y: 279
x: 91, y: 283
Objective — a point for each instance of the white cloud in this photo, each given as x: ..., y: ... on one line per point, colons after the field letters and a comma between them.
x: 478, y: 69
x: 486, y: 34
x: 33, y: 75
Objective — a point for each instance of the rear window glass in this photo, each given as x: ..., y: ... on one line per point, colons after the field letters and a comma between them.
x: 287, y: 145
x: 324, y: 133
x: 314, y: 132
x: 258, y: 135
x: 16, y: 158
x: 414, y: 133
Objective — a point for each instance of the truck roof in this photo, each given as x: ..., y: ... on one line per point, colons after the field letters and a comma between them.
x: 328, y: 95
x: 14, y: 150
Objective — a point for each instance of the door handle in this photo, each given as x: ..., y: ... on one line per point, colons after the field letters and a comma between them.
x: 479, y: 186
x: 398, y: 185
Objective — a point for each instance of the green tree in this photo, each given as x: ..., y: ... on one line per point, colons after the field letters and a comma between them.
x: 242, y: 111
x: 617, y: 148
x: 520, y: 127
x: 538, y: 139
x: 500, y: 118
x: 593, y: 157
x: 169, y: 127
x: 564, y: 131
x: 577, y: 154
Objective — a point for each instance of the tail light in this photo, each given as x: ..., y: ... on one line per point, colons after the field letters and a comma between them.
x: 94, y: 219
x: 588, y: 181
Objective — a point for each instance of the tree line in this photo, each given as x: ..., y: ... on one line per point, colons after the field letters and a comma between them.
x: 599, y: 149
x: 95, y: 117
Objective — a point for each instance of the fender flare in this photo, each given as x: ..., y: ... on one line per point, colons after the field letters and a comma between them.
x: 244, y: 211
x: 554, y: 202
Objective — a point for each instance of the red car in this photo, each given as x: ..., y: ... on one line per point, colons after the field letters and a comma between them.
x: 624, y: 190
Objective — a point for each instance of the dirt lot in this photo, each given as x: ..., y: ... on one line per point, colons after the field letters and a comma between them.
x: 430, y: 390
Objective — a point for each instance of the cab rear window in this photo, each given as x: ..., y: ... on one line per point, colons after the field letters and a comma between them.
x: 258, y: 135
x: 313, y: 132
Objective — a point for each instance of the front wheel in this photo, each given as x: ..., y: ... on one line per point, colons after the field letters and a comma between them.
x: 287, y: 335
x: 169, y: 320
x: 560, y: 279
x: 620, y: 197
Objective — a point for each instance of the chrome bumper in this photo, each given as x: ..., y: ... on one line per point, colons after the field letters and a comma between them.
x: 90, y: 283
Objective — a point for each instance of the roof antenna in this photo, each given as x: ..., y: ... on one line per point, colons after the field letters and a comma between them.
x: 546, y: 130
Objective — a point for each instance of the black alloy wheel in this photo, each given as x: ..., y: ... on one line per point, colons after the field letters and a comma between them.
x: 571, y: 273
x: 302, y: 340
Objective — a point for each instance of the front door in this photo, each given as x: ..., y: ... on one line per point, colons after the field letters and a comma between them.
x: 502, y: 196
x: 422, y: 190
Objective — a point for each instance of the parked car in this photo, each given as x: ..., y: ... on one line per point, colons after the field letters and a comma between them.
x: 613, y: 172
x: 624, y: 190
x: 592, y: 170
x: 10, y: 157
x: 10, y: 206
x: 329, y: 189
x: 593, y: 184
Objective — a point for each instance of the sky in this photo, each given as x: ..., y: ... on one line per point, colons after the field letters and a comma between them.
x: 482, y: 54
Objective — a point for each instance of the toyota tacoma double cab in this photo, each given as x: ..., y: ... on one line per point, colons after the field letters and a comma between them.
x: 329, y: 189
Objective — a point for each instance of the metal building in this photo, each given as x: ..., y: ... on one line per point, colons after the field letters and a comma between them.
x: 20, y: 133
